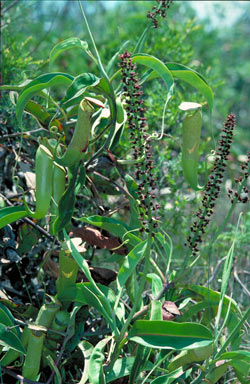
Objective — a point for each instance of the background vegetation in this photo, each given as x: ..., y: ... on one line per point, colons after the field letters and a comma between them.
x: 219, y: 52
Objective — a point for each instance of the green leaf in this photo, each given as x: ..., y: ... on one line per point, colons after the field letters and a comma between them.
x: 188, y: 75
x: 41, y: 82
x: 8, y: 319
x: 156, y: 283
x: 158, y: 66
x: 96, y: 374
x: 80, y: 84
x: 10, y: 214
x: 132, y: 186
x: 155, y: 310
x: 141, y: 363
x: 86, y: 295
x: 164, y: 248
x: 169, y: 378
x: 66, y: 204
x: 9, y: 339
x: 41, y: 115
x: 190, y: 356
x: 193, y: 78
x: 13, y: 87
x: 130, y: 262
x: 65, y: 45
x: 121, y: 368
x: 242, y: 368
x: 238, y: 355
x: 114, y: 57
x: 97, y: 293
x: 207, y: 298
x: 213, y: 297
x: 170, y: 335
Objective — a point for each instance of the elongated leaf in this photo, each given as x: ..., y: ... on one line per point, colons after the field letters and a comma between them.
x: 140, y: 363
x: 10, y: 214
x: 170, y: 335
x: 17, y: 87
x: 114, y: 57
x: 188, y: 75
x: 238, y: 355
x: 130, y: 262
x: 65, y: 45
x: 169, y: 378
x: 191, y: 356
x: 96, y: 374
x: 155, y: 310
x: 193, y: 78
x: 9, y: 338
x: 84, y: 295
x: 158, y: 66
x: 156, y: 282
x: 123, y: 367
x: 66, y: 204
x: 7, y: 318
x: 242, y: 367
x: 41, y: 82
x: 209, y: 300
x: 80, y: 84
x: 212, y: 296
x: 107, y: 310
x: 41, y: 115
x: 165, y: 248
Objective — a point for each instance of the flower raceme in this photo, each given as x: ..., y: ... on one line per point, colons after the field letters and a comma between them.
x: 140, y: 141
x: 213, y: 186
x: 159, y: 11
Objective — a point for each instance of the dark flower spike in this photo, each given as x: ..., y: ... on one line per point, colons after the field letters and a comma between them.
x: 159, y: 11
x: 140, y: 142
x: 212, y: 188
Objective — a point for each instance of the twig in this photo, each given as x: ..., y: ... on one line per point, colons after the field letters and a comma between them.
x: 246, y: 291
x: 23, y: 133
x: 216, y: 269
x: 19, y: 377
x: 9, y: 6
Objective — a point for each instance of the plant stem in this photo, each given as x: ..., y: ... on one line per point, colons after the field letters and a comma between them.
x: 111, y: 96
x: 121, y: 340
x: 99, y: 63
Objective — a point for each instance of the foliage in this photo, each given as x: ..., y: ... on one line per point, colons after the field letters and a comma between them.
x: 118, y: 275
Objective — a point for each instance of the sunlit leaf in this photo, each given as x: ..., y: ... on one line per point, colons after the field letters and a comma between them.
x: 170, y: 335
x: 9, y: 215
x: 9, y: 339
x: 41, y: 82
x: 131, y: 261
x: 65, y: 45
